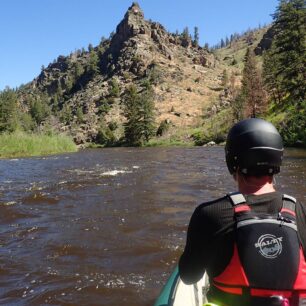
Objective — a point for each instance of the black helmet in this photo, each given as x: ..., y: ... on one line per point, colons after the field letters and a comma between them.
x: 255, y: 147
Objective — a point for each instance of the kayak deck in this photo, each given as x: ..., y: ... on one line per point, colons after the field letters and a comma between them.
x: 176, y: 293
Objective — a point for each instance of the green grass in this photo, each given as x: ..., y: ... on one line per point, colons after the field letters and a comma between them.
x: 238, y: 50
x: 20, y: 144
x: 174, y: 138
x: 167, y: 143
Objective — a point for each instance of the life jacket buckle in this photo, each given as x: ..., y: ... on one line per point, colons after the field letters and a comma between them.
x: 278, y: 300
x: 283, y: 219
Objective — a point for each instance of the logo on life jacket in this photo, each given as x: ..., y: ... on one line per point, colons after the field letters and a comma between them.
x: 269, y: 245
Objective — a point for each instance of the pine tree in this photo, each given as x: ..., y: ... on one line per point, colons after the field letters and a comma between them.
x: 288, y: 51
x: 66, y: 115
x: 79, y: 114
x: 196, y: 37
x: 8, y: 110
x: 227, y: 41
x: 252, y: 88
x: 139, y: 108
x: 93, y: 65
x: 185, y: 37
x: 284, y: 68
x: 271, y: 77
x: 185, y: 33
x: 131, y: 126
x: 237, y: 102
x: 39, y: 108
x: 114, y: 90
x: 147, y: 112
x: 105, y: 135
x: 103, y: 39
x: 238, y: 106
x: 222, y: 43
x: 78, y: 70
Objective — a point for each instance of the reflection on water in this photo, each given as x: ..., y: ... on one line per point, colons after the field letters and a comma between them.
x: 106, y: 227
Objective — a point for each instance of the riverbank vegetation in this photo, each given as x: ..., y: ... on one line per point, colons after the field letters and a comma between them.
x: 20, y: 134
x: 21, y: 144
x: 272, y: 86
x: 284, y: 71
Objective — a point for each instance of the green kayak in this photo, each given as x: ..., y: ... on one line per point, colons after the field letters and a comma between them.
x: 176, y: 293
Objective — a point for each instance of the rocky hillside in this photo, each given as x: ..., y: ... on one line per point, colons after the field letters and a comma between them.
x: 87, y: 88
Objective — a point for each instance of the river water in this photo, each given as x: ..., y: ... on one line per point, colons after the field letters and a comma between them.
x: 106, y: 227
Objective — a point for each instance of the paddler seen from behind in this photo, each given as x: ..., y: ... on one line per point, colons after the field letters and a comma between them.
x: 251, y: 243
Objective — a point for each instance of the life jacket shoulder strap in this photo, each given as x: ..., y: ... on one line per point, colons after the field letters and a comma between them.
x: 288, y: 205
x: 236, y: 198
x: 289, y: 198
x: 239, y: 203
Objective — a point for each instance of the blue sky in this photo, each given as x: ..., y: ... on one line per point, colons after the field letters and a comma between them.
x: 35, y: 32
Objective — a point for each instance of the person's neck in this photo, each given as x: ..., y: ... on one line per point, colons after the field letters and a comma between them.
x: 255, y: 185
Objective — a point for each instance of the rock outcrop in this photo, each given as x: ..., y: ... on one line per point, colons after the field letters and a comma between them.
x: 80, y: 86
x: 137, y: 42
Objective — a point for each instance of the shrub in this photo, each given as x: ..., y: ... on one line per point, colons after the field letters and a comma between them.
x: 105, y: 136
x: 114, y: 90
x: 163, y: 128
x: 112, y: 125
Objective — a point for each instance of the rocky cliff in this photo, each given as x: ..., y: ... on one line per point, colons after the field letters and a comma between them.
x: 87, y: 88
x: 82, y: 82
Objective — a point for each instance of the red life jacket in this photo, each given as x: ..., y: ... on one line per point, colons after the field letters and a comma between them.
x: 268, y: 258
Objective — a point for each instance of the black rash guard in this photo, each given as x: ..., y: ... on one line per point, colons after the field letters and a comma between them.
x: 210, y: 236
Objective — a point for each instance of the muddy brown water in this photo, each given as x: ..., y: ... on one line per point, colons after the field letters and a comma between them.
x: 106, y: 227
